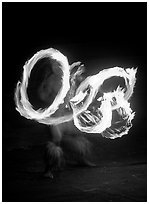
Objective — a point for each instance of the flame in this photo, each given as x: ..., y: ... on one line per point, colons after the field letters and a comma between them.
x: 91, y: 109
x: 98, y: 119
x: 23, y: 105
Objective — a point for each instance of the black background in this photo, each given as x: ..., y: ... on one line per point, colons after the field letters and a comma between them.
x: 100, y: 35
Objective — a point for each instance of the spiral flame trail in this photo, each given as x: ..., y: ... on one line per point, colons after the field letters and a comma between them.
x: 90, y: 113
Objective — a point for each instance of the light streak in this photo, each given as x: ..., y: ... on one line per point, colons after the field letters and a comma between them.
x: 91, y: 109
x: 23, y: 105
x: 98, y: 119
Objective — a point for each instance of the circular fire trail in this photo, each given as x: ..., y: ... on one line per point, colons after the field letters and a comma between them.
x: 92, y: 109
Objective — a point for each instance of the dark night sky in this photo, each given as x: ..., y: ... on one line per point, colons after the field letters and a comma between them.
x: 101, y: 35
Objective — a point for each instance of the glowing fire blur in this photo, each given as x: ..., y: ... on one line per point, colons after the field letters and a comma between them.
x: 91, y: 109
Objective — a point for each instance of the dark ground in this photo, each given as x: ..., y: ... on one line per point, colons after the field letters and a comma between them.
x: 120, y: 174
x: 100, y: 35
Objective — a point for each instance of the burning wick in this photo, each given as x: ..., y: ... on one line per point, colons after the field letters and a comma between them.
x: 77, y: 100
